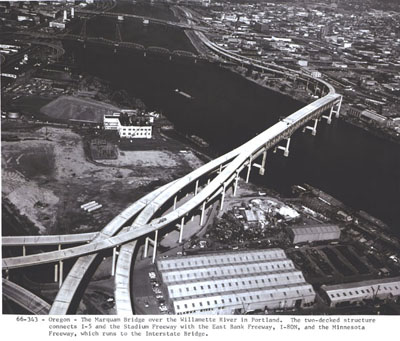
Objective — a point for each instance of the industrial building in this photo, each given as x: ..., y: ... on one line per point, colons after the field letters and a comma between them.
x: 233, y: 282
x: 128, y: 126
x: 359, y: 292
x: 306, y: 234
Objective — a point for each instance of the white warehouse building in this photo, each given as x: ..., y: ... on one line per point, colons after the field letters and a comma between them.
x: 359, y: 292
x: 306, y: 234
x: 127, y: 129
x: 234, y: 282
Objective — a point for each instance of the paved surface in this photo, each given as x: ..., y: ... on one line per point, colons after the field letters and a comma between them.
x: 48, y: 240
x: 25, y: 298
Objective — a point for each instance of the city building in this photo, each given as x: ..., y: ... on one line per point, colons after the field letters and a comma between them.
x: 57, y: 24
x: 128, y: 126
x: 360, y: 292
x: 233, y: 282
x: 308, y: 234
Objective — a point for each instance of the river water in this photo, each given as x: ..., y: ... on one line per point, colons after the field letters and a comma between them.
x: 352, y: 165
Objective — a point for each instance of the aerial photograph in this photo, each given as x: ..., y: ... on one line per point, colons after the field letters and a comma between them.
x: 200, y: 157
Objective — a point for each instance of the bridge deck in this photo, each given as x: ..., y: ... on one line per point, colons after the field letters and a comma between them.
x: 61, y: 239
x: 25, y: 298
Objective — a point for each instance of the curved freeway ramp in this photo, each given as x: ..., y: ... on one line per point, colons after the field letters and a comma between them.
x: 80, y: 270
x: 25, y: 298
x: 61, y: 239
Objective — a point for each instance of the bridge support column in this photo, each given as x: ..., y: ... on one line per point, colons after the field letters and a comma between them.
x: 329, y: 118
x: 222, y: 197
x: 236, y: 184
x: 181, y: 230
x: 155, y: 247
x: 249, y: 169
x: 60, y: 282
x: 23, y: 250
x: 146, y: 247
x: 203, y: 208
x: 7, y: 274
x: 220, y: 169
x: 175, y: 200
x: 313, y: 128
x: 285, y: 149
x: 55, y: 273
x: 196, y: 187
x: 264, y: 160
x: 339, y: 105
x: 314, y: 131
x: 114, y: 258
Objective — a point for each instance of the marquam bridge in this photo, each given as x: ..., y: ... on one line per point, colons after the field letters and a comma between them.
x: 144, y: 219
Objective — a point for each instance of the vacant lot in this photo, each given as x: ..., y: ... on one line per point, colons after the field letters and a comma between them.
x: 48, y: 177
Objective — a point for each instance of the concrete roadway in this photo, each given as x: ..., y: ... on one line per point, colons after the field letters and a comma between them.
x: 25, y: 298
x: 48, y: 240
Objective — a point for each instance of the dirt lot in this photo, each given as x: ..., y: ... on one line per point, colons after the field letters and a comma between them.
x: 68, y: 107
x: 48, y: 177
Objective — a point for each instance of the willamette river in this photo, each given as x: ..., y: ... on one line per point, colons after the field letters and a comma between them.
x: 352, y: 165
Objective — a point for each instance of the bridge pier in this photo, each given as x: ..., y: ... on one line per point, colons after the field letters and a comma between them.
x: 285, y: 149
x: 61, y: 267
x: 249, y: 169
x: 262, y: 165
x: 236, y: 183
x: 114, y: 261
x: 339, y: 105
x: 196, y: 189
x: 313, y: 128
x: 263, y: 162
x: 23, y: 250
x: 153, y: 243
x: 146, y: 247
x: 222, y: 197
x: 55, y: 273
x: 60, y: 281
x: 329, y: 118
x: 203, y: 208
x: 181, y: 230
x: 175, y: 200
x: 155, y: 247
x: 335, y: 110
